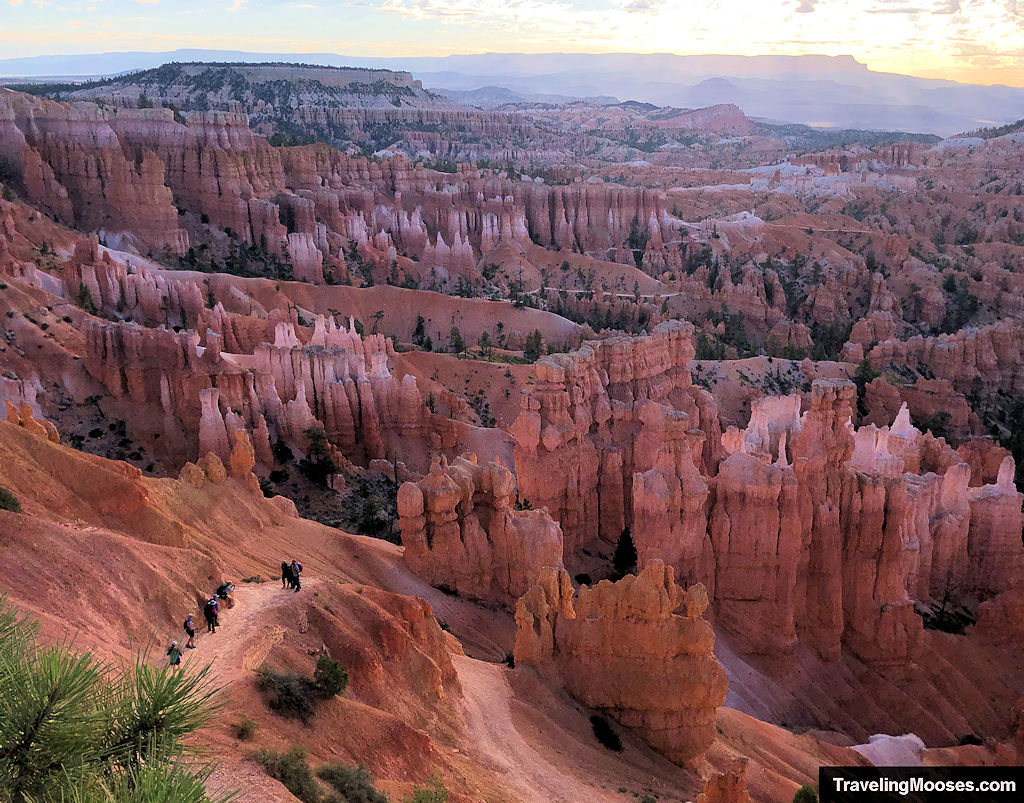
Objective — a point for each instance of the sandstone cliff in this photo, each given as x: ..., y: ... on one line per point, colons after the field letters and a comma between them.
x: 460, y: 531
x: 622, y: 648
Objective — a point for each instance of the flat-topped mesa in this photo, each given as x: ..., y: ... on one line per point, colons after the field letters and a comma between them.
x: 460, y: 531
x: 622, y: 648
x: 576, y: 433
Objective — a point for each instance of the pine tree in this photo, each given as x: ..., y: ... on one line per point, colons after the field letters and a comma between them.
x: 625, y: 557
x: 73, y: 729
x: 534, y: 345
x: 455, y: 341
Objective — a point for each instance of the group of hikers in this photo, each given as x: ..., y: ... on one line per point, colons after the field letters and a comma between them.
x: 211, y: 612
x: 290, y: 575
x: 290, y: 578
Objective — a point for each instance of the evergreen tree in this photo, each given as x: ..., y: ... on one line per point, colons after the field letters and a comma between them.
x: 534, y: 346
x: 73, y: 730
x: 625, y: 557
x: 485, y: 343
x: 455, y: 342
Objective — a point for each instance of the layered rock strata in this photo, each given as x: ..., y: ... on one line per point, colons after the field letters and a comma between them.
x: 624, y: 649
x: 460, y: 530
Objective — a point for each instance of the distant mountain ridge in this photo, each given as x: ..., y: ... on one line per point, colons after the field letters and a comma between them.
x: 822, y: 91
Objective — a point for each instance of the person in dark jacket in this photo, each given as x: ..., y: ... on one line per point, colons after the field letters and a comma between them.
x: 190, y: 630
x: 210, y: 612
x: 224, y: 591
x: 296, y: 568
x: 174, y: 654
x: 286, y: 574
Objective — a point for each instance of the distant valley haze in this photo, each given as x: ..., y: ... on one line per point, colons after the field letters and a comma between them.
x: 817, y: 90
x: 934, y: 66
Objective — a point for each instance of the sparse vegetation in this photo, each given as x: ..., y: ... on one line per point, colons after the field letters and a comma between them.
x: 433, y: 792
x: 245, y: 729
x: 604, y: 733
x: 293, y: 771
x: 296, y: 697
x: 534, y: 346
x: 805, y: 794
x: 9, y: 501
x: 353, y: 784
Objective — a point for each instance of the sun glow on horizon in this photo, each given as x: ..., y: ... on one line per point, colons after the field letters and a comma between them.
x: 976, y: 41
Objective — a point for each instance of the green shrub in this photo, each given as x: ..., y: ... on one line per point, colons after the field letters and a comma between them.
x: 293, y: 772
x: 433, y: 792
x: 330, y: 677
x: 245, y: 728
x: 9, y: 501
x: 354, y: 784
x: 604, y: 734
x: 295, y: 697
x: 806, y: 794
x: 288, y: 694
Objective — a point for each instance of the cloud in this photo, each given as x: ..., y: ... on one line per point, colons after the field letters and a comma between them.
x: 806, y: 6
x: 642, y: 6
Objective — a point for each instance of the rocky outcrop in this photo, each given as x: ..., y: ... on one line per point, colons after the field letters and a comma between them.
x: 623, y: 648
x: 807, y: 531
x: 616, y: 408
x: 74, y: 167
x: 727, y: 787
x: 337, y: 381
x: 460, y: 531
x: 990, y: 357
x: 22, y: 416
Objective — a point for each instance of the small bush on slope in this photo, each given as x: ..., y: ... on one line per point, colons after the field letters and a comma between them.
x: 9, y: 501
x: 604, y: 734
x: 354, y: 784
x: 295, y: 697
x: 293, y: 772
x: 330, y: 677
x: 806, y: 794
x: 290, y: 695
x: 434, y: 792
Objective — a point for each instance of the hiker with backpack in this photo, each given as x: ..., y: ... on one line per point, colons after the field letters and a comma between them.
x: 286, y: 574
x: 190, y: 630
x: 296, y: 568
x: 224, y: 592
x: 210, y: 612
x: 174, y: 654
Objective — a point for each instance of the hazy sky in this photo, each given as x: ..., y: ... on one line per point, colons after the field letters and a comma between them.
x: 971, y: 40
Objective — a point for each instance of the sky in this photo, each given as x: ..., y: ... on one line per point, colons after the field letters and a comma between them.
x: 977, y: 41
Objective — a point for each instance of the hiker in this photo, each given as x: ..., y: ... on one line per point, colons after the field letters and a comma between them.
x: 296, y: 568
x: 224, y: 592
x: 210, y: 612
x: 286, y: 574
x: 174, y: 654
x: 190, y: 629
